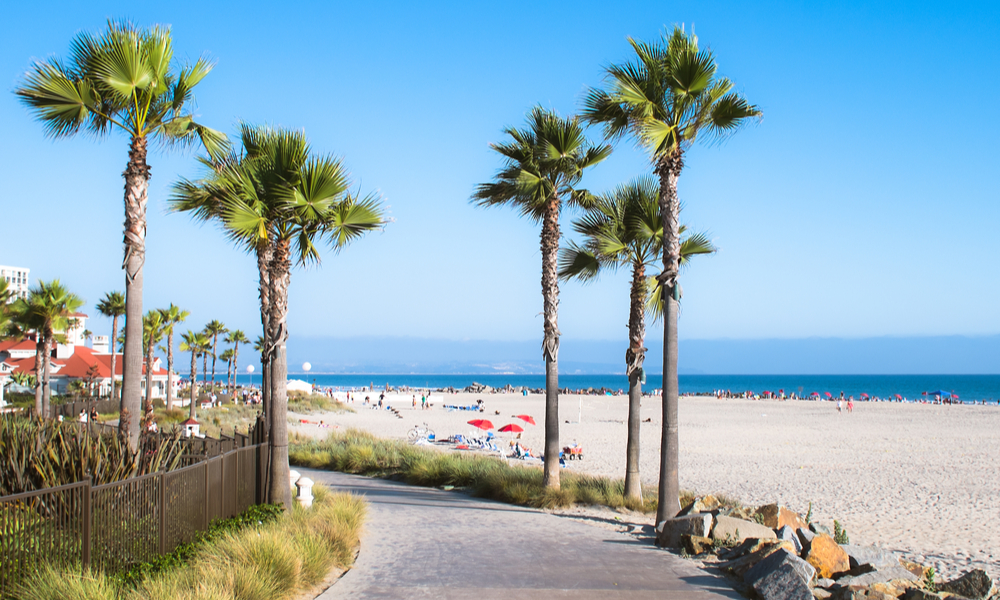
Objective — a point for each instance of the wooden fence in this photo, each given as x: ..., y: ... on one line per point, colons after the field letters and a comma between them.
x: 113, y: 526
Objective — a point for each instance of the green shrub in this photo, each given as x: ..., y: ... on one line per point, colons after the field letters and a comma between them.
x: 840, y: 534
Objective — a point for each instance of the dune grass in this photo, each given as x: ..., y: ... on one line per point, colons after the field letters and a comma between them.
x: 278, y: 560
x: 361, y: 453
x: 302, y: 403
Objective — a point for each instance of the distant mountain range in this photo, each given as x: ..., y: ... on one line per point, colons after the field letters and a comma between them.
x: 883, y: 355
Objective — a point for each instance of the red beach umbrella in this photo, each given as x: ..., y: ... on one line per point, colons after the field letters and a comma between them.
x: 864, y: 395
x: 511, y: 428
x: 899, y: 397
x: 526, y: 418
x: 828, y: 394
x: 814, y: 394
x: 481, y: 424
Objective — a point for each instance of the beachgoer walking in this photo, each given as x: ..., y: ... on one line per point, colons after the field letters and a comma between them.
x: 415, y: 401
x: 840, y: 404
x: 850, y: 404
x: 423, y: 402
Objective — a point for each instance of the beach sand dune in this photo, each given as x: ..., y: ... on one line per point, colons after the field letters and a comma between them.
x: 921, y: 479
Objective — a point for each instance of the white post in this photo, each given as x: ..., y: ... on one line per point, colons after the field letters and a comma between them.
x: 293, y: 476
x: 304, y: 496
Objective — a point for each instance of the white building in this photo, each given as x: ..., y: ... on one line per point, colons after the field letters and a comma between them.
x: 17, y: 281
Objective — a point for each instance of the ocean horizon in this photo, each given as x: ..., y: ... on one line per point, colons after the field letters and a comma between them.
x: 968, y: 388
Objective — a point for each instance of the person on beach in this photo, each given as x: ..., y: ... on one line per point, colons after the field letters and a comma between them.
x: 423, y: 402
x: 415, y: 401
x: 850, y: 404
x: 839, y: 405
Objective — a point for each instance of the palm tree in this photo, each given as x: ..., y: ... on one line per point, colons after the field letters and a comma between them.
x: 113, y: 306
x: 172, y: 315
x: 236, y: 337
x: 124, y: 78
x: 277, y: 201
x: 46, y: 311
x: 260, y: 347
x: 624, y: 230
x: 543, y: 164
x: 227, y: 356
x: 214, y: 329
x: 664, y: 99
x: 196, y: 343
x: 152, y: 333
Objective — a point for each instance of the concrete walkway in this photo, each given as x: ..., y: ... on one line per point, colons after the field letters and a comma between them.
x: 428, y: 543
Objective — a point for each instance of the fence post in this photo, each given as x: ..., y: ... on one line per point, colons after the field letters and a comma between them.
x: 163, y: 512
x: 205, y: 463
x: 85, y: 559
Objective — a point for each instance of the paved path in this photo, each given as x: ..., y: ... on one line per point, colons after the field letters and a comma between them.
x: 428, y: 543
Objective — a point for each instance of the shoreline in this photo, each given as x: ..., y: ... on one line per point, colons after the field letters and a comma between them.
x: 915, y: 478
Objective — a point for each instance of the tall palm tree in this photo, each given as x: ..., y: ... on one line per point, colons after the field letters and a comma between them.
x: 236, y: 337
x: 46, y: 311
x: 667, y: 97
x: 543, y: 163
x: 214, y: 329
x: 197, y: 344
x: 227, y: 357
x: 113, y: 306
x: 624, y: 230
x: 172, y: 315
x: 260, y: 346
x: 277, y: 201
x: 124, y: 78
x: 152, y: 333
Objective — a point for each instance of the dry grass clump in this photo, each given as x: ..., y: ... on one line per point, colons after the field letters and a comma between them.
x: 361, y: 453
x: 303, y: 403
x: 271, y: 562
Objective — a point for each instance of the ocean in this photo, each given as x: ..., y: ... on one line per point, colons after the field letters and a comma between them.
x: 969, y: 388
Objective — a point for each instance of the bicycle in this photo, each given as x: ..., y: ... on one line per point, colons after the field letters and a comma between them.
x: 419, y: 433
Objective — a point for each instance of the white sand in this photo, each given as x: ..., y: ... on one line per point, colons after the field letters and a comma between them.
x: 920, y: 479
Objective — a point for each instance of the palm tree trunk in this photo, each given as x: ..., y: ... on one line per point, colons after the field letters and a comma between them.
x: 215, y: 352
x: 136, y: 197
x: 279, y: 484
x: 114, y: 355
x: 264, y: 253
x: 149, y: 373
x: 170, y: 369
x: 194, y: 381
x: 236, y: 365
x: 46, y: 371
x: 550, y: 345
x: 669, y: 170
x: 39, y: 352
x: 634, y: 358
x: 204, y: 365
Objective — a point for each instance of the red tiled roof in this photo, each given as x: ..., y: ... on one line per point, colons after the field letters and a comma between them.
x: 77, y: 365
x: 17, y: 345
x: 71, y: 315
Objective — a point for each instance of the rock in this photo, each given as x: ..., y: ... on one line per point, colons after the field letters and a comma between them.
x: 669, y: 532
x: 776, y: 517
x: 916, y: 568
x: 774, y: 562
x: 919, y: 594
x: 821, y: 594
x: 781, y: 570
x: 870, y: 555
x: 877, y: 576
x: 894, y: 588
x: 696, y: 544
x: 827, y: 556
x: 817, y: 528
x: 705, y: 504
x: 825, y: 583
x: 859, y: 594
x: 740, y: 566
x: 745, y: 547
x: 787, y: 533
x: 728, y: 528
x: 805, y: 537
x: 975, y: 585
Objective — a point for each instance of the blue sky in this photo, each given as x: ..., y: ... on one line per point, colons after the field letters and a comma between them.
x: 862, y: 205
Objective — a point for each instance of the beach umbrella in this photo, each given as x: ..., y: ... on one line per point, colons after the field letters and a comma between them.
x: 864, y: 395
x: 526, y: 418
x: 481, y: 424
x: 511, y: 428
x: 828, y: 394
x: 899, y: 397
x: 941, y: 393
x: 814, y: 394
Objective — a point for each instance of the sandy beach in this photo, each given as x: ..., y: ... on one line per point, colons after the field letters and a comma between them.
x: 919, y: 479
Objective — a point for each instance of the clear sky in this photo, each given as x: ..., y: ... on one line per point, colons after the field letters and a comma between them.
x: 864, y: 204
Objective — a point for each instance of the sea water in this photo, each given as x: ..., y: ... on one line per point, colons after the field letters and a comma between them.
x: 969, y: 388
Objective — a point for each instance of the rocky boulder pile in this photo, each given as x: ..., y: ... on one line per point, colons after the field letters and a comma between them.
x: 776, y: 555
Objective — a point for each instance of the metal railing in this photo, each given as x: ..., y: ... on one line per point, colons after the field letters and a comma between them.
x: 114, y: 526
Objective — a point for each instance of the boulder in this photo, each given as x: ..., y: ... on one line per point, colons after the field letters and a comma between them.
x: 919, y: 594
x: 696, y: 544
x: 894, y: 588
x: 975, y: 585
x: 859, y: 594
x: 741, y: 565
x: 787, y: 533
x: 728, y: 528
x: 821, y: 594
x: 805, y: 537
x: 781, y: 576
x: 916, y: 568
x: 877, y: 576
x: 704, y: 504
x: 827, y: 556
x: 747, y: 546
x: 776, y: 517
x: 817, y: 528
x: 669, y: 532
x: 783, y: 583
x: 870, y: 555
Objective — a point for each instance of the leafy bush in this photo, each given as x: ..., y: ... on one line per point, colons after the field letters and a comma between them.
x: 362, y: 453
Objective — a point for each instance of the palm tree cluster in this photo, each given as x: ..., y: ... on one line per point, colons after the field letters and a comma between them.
x: 667, y: 97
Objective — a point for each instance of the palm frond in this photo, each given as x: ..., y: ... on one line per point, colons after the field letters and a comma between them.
x: 576, y: 262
